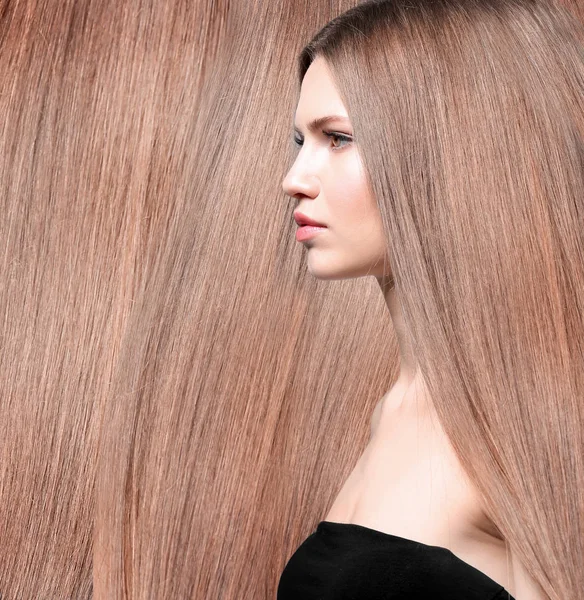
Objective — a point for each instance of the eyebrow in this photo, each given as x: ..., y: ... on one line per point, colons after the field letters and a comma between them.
x: 315, y: 124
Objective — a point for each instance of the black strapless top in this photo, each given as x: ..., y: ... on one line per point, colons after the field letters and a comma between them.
x: 344, y: 561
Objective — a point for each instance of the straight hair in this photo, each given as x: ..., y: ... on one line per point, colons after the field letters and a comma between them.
x: 469, y: 119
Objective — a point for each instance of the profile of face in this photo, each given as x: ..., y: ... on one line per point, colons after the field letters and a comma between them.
x: 328, y: 180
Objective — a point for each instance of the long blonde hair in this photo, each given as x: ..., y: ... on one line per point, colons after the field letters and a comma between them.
x: 180, y: 399
x: 469, y: 116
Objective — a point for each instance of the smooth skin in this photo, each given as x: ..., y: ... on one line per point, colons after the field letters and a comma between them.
x: 408, y: 481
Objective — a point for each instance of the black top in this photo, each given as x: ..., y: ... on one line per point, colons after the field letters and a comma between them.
x: 344, y: 561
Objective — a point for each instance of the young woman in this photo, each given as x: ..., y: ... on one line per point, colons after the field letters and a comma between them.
x: 441, y: 150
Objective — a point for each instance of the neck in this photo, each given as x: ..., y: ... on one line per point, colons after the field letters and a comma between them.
x: 408, y: 366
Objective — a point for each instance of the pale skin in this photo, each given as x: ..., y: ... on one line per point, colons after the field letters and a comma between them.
x: 408, y: 481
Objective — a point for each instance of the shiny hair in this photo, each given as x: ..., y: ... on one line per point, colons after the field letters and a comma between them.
x: 98, y: 100
x: 180, y: 399
x: 469, y: 117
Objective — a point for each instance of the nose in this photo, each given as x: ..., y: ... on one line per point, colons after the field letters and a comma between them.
x: 300, y: 185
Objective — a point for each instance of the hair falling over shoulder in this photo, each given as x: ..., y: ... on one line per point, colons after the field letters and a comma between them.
x: 180, y: 398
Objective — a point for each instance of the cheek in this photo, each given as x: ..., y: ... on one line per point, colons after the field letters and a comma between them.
x: 352, y: 191
x: 354, y: 206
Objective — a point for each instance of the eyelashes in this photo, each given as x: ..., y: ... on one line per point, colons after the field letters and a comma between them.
x: 298, y: 141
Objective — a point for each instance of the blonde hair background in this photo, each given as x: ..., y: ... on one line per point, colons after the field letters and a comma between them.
x: 180, y: 399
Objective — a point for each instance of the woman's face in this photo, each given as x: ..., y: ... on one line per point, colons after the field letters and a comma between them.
x: 329, y: 183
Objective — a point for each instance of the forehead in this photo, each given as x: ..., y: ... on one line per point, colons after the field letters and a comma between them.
x: 318, y: 95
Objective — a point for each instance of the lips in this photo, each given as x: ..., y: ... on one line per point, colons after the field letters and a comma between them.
x: 304, y: 220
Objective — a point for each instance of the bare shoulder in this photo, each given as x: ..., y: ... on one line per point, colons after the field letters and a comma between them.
x: 411, y: 484
x: 410, y: 463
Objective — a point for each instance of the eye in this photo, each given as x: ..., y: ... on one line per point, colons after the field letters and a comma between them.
x: 338, y: 136
x: 298, y: 141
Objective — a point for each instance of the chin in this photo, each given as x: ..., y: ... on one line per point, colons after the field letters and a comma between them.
x: 329, y: 273
x: 322, y: 263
